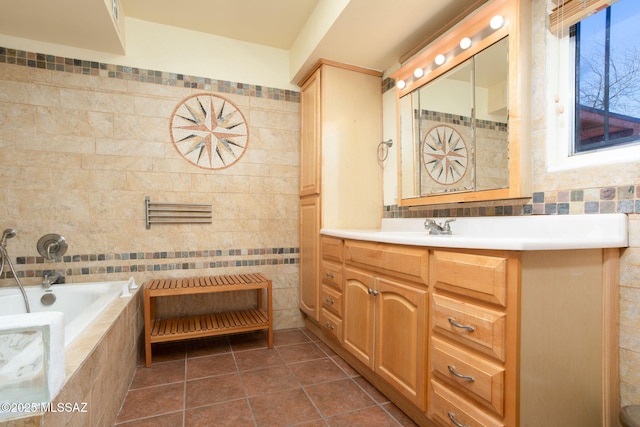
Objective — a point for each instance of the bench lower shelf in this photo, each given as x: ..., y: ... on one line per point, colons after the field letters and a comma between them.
x: 206, y: 325
x: 158, y: 329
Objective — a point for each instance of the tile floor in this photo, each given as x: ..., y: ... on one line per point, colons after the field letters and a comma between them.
x: 238, y: 381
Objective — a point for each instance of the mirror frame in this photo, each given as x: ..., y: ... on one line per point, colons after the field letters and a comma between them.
x: 517, y: 26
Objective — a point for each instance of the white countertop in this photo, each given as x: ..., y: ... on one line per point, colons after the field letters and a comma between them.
x: 528, y: 232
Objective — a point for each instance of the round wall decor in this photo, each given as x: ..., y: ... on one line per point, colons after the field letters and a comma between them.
x: 209, y: 131
x: 444, y: 155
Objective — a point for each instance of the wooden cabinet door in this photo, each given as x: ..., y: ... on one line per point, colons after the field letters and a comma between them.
x: 400, y: 339
x: 310, y: 256
x: 358, y: 318
x: 310, y: 135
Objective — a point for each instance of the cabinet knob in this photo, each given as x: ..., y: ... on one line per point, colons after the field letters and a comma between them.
x: 373, y: 292
x: 459, y: 375
x: 330, y: 275
x: 329, y: 326
x: 329, y: 300
x: 460, y: 326
x: 452, y: 417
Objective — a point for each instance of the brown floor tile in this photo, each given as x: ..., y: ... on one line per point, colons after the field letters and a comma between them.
x: 368, y: 417
x: 207, y: 366
x: 235, y: 413
x: 165, y: 420
x: 283, y: 408
x: 317, y: 371
x: 345, y: 366
x: 208, y: 346
x: 150, y: 401
x: 301, y: 352
x: 248, y: 341
x: 373, y: 392
x: 237, y: 381
x: 164, y: 352
x: 398, y: 415
x: 257, y: 359
x: 207, y: 391
x: 262, y: 381
x: 157, y: 374
x: 289, y: 336
x: 337, y: 397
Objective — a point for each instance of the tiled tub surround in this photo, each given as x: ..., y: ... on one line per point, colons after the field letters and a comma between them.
x: 99, y: 367
x: 81, y: 145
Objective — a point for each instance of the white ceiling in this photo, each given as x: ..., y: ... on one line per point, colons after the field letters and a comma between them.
x: 368, y: 33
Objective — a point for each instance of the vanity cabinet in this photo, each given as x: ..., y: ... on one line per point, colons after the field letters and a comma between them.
x: 341, y: 113
x: 473, y: 335
x: 385, y: 314
x: 331, y: 298
x: 478, y: 337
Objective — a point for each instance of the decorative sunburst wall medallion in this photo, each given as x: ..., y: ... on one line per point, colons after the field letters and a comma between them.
x: 209, y: 131
x: 444, y: 155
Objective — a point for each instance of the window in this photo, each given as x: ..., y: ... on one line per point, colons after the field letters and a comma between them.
x: 607, y: 77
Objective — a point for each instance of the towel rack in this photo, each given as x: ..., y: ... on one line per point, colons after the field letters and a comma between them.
x: 176, y: 213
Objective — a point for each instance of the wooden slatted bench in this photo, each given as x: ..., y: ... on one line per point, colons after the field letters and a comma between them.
x: 205, y: 325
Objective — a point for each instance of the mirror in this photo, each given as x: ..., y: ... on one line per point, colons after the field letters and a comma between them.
x: 454, y: 132
x: 463, y: 129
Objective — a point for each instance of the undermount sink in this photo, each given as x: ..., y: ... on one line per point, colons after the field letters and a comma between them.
x: 530, y: 232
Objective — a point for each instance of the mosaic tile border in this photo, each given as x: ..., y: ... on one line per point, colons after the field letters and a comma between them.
x: 179, y: 260
x: 621, y: 199
x: 120, y: 72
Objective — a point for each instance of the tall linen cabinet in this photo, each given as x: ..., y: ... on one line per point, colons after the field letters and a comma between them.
x: 340, y: 177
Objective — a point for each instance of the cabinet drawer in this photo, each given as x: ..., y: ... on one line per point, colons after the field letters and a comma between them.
x: 331, y: 300
x: 483, y: 379
x: 332, y: 249
x: 479, y: 276
x: 331, y: 273
x: 408, y: 262
x: 448, y: 409
x: 480, y: 328
x: 331, y: 325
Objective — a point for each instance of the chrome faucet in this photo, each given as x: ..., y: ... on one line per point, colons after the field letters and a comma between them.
x: 437, y: 229
x: 51, y: 278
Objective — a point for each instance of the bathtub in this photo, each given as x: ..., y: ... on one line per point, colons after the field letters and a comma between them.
x: 102, y: 336
x: 80, y: 303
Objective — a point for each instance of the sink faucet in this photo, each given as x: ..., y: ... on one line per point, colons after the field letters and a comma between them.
x: 51, y: 278
x: 437, y: 229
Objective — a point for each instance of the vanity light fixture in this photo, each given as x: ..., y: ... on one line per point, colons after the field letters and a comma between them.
x: 418, y: 72
x: 440, y: 59
x: 496, y: 22
x: 401, y: 84
x: 465, y: 43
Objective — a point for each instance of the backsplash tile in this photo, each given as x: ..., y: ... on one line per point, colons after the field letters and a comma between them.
x: 623, y: 199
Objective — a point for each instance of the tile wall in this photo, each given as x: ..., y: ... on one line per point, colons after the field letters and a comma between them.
x: 81, y: 145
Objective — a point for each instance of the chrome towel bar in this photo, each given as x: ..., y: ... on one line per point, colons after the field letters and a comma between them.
x: 176, y: 213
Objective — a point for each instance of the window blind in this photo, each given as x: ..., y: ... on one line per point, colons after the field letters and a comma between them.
x: 566, y: 13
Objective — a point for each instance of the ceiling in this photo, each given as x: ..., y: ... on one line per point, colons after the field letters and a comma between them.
x: 368, y: 33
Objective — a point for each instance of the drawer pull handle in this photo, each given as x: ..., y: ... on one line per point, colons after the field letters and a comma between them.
x: 373, y: 292
x: 329, y: 326
x: 452, y: 417
x: 459, y: 375
x: 329, y: 300
x: 460, y: 326
x: 330, y: 275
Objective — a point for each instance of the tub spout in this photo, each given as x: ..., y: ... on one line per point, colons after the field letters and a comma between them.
x: 52, y: 278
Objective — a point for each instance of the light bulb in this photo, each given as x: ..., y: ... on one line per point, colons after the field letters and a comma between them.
x: 418, y: 72
x: 400, y: 84
x: 465, y: 43
x: 496, y: 22
x: 440, y: 59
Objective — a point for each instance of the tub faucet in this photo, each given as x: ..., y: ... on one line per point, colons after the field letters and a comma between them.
x: 437, y: 229
x: 51, y: 278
